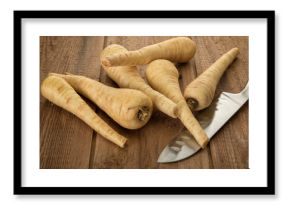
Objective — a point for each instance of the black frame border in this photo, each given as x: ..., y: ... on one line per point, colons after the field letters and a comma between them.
x: 268, y: 190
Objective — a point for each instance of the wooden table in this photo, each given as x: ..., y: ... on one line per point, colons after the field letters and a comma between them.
x: 67, y: 142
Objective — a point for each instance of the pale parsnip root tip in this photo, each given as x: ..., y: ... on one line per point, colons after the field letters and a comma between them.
x: 105, y: 62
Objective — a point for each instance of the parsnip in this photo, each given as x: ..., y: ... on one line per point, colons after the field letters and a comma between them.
x: 179, y: 49
x: 162, y: 75
x: 200, y: 92
x: 128, y: 77
x: 129, y: 108
x: 59, y: 92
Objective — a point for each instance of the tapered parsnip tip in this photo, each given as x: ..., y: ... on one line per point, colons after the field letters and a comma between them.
x: 105, y: 62
x: 108, y: 52
x: 123, y: 142
x: 235, y: 51
x: 204, y: 143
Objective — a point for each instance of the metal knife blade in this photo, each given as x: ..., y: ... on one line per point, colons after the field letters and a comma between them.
x: 211, y: 119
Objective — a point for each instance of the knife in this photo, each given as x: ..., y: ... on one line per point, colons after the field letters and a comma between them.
x: 211, y: 119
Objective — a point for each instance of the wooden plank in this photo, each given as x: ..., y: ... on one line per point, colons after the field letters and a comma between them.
x: 202, y: 159
x: 141, y: 151
x: 229, y: 147
x: 110, y: 156
x: 65, y: 141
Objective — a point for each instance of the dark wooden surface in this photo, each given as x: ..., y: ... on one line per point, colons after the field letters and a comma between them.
x: 67, y: 142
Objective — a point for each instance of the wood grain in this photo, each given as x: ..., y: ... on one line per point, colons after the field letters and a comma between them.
x: 66, y: 142
x: 229, y: 147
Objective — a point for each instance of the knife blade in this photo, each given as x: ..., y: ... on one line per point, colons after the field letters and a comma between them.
x: 211, y: 119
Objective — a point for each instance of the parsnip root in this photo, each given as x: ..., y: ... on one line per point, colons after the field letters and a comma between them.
x: 129, y: 108
x: 59, y: 92
x: 162, y: 75
x: 128, y: 77
x: 200, y: 93
x: 179, y: 49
